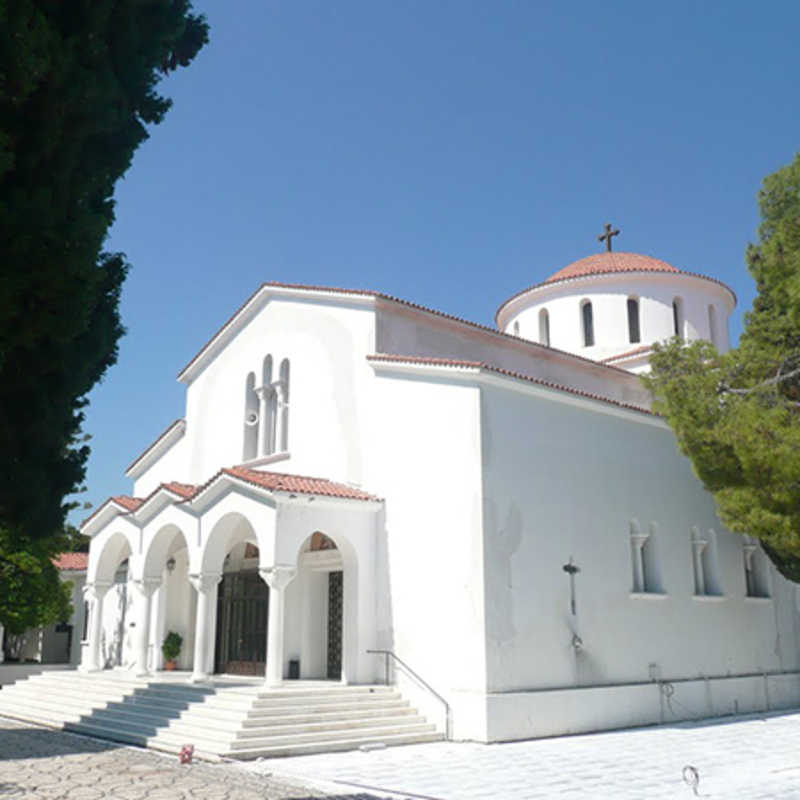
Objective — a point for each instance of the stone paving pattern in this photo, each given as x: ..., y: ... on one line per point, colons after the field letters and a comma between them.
x: 738, y: 758
x: 742, y: 758
x: 42, y: 764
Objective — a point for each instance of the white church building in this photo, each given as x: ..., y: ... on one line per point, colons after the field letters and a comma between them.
x: 497, y: 507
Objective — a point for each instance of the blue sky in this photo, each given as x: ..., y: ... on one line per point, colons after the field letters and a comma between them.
x: 446, y: 151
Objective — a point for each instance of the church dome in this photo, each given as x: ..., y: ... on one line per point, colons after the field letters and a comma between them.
x: 612, y: 307
x: 604, y: 263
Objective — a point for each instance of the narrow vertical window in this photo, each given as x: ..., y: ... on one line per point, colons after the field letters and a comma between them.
x: 677, y: 316
x: 755, y: 570
x: 283, y: 407
x: 516, y: 329
x: 633, y: 320
x: 588, y: 324
x: 638, y: 541
x: 712, y: 324
x: 544, y: 327
x: 250, y: 449
x: 266, y: 410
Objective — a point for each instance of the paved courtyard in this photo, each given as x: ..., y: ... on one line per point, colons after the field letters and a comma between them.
x: 43, y: 764
x: 741, y: 758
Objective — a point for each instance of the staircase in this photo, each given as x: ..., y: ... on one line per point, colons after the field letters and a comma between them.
x: 227, y: 719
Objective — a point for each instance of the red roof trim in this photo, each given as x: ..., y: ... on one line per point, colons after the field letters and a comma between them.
x: 298, y: 484
x: 399, y: 301
x: 482, y: 365
x: 122, y: 501
x: 635, y: 352
x: 144, y: 452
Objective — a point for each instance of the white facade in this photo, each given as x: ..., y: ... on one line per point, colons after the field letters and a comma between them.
x: 460, y: 470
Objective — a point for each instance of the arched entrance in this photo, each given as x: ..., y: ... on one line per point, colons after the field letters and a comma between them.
x: 174, y: 608
x: 315, y: 606
x: 108, y: 604
x: 242, y: 614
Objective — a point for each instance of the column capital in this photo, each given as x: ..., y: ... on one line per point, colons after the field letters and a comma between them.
x: 639, y: 539
x: 146, y: 586
x: 205, y: 581
x: 278, y: 576
x: 97, y: 589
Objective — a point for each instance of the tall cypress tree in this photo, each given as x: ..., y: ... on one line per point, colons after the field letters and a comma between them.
x: 78, y: 85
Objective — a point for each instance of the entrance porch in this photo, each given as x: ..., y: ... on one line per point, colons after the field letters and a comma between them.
x: 257, y: 576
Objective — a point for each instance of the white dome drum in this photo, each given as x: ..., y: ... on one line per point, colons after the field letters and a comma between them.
x: 612, y: 307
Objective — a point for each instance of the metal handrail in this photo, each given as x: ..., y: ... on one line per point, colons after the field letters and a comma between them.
x: 390, y: 654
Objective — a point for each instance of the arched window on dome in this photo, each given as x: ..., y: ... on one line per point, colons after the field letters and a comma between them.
x: 634, y: 336
x: 712, y: 324
x: 516, y: 328
x: 544, y: 327
x: 587, y: 323
x: 677, y: 317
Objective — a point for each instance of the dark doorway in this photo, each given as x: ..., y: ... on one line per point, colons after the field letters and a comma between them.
x: 335, y: 625
x: 242, y: 613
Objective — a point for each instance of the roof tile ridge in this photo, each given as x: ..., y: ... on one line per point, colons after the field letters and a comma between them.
x: 564, y: 388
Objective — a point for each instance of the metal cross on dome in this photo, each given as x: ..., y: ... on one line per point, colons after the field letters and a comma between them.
x: 607, y: 236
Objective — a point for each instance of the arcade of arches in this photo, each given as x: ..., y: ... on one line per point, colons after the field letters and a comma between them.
x: 247, y: 595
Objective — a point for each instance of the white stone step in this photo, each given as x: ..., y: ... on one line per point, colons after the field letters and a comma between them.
x: 248, y: 734
x: 244, y: 721
x: 336, y: 715
x: 370, y: 732
x: 279, y: 705
x: 333, y: 746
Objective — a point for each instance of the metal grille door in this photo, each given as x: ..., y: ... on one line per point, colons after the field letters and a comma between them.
x: 335, y: 602
x: 242, y: 614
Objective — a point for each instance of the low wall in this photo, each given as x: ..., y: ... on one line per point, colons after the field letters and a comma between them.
x: 557, y: 712
x: 15, y: 672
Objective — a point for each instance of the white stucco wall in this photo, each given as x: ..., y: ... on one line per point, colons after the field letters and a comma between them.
x: 608, y: 295
x: 402, y: 331
x: 169, y: 466
x: 426, y: 461
x: 563, y: 481
x: 326, y: 345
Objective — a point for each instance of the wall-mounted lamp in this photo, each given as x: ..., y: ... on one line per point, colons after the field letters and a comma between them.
x: 171, y: 564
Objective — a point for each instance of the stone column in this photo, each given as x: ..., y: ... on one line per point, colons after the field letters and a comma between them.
x: 145, y: 587
x: 698, y: 546
x: 206, y: 587
x: 277, y: 578
x: 96, y: 592
x: 639, y: 582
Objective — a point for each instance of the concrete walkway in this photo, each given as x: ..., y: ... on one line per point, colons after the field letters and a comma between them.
x: 739, y: 758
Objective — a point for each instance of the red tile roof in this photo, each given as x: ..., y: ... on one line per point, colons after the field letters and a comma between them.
x: 185, y: 490
x: 602, y: 263
x: 128, y: 503
x: 482, y: 365
x: 74, y: 561
x: 608, y: 264
x: 297, y: 484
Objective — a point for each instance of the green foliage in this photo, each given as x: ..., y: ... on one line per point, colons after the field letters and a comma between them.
x: 737, y: 416
x: 31, y: 592
x: 171, y: 647
x: 77, y: 90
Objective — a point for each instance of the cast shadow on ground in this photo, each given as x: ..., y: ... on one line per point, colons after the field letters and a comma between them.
x: 17, y: 744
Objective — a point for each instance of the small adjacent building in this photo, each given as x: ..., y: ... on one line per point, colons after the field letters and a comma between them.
x: 498, y: 508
